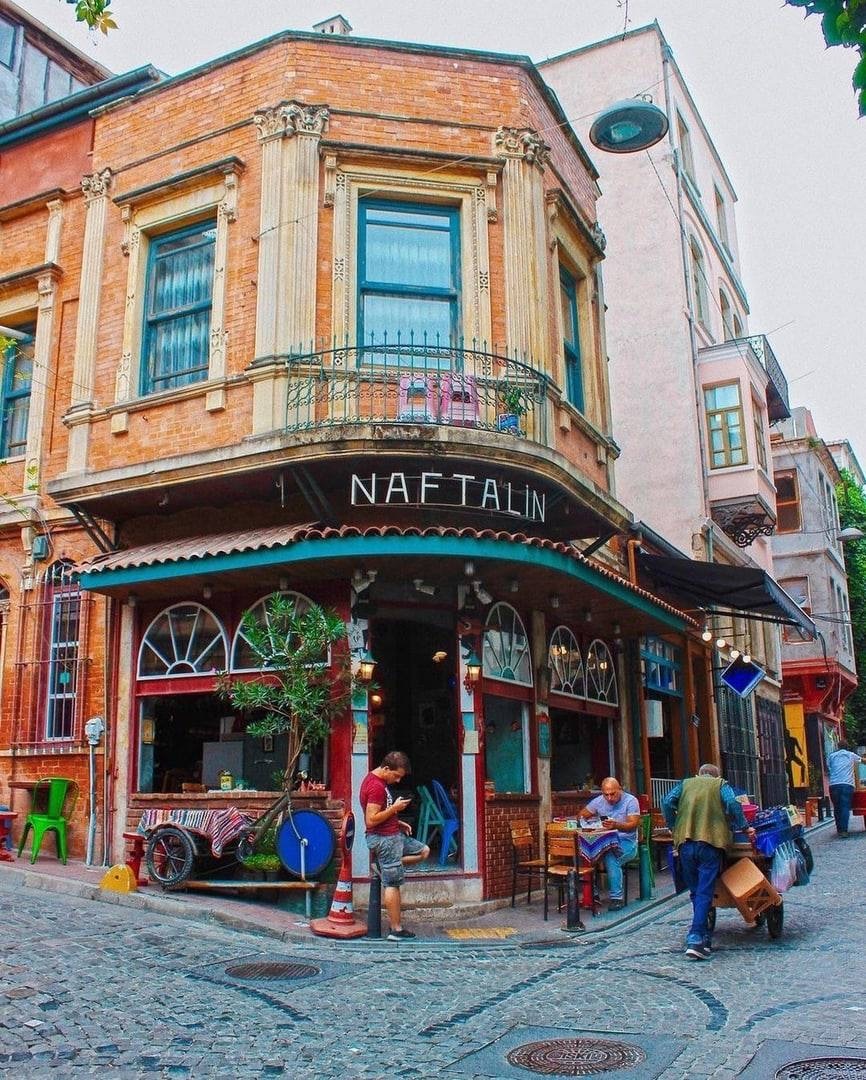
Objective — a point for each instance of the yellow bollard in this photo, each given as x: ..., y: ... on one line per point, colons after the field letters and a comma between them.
x: 119, y: 878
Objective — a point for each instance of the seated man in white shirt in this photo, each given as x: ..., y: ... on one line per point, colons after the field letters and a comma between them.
x: 616, y: 809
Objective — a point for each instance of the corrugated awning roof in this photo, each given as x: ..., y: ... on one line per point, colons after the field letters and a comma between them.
x: 203, y: 554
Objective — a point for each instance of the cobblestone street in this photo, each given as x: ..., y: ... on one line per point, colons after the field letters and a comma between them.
x: 91, y: 987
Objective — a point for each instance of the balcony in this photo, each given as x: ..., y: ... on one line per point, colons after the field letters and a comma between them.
x: 410, y: 383
x: 778, y: 405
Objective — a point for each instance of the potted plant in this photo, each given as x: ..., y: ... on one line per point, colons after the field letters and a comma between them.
x: 513, y: 401
x: 263, y: 866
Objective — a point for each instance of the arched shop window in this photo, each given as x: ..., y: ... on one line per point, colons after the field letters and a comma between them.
x: 183, y: 640
x: 244, y: 657
x: 506, y: 706
x: 600, y: 674
x: 506, y: 647
x: 566, y: 664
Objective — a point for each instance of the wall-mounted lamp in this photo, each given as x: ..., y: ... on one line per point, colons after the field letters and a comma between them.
x: 617, y: 630
x: 554, y: 601
x: 132, y: 600
x: 469, y: 568
x: 366, y: 666
x: 628, y: 126
x: 207, y: 592
x: 363, y: 579
x: 473, y: 669
x: 513, y: 585
x: 284, y: 584
x: 483, y: 595
x: 851, y: 533
x: 587, y: 615
x: 422, y: 587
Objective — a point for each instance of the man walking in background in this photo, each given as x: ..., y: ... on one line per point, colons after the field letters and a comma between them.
x: 701, y: 811
x: 841, y: 765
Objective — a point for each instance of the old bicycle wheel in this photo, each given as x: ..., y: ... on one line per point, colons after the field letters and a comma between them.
x: 170, y: 855
x: 313, y: 827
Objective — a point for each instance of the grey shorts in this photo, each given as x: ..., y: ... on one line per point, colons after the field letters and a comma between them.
x: 389, y: 852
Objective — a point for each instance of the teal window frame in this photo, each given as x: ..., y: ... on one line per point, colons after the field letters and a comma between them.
x: 160, y: 371
x: 16, y: 385
x: 371, y: 287
x: 662, y: 666
x: 571, y: 346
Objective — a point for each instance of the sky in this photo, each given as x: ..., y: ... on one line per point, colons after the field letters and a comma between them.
x: 778, y: 105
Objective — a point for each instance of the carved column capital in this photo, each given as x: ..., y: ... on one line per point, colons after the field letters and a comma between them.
x: 307, y: 119
x: 522, y: 143
x: 96, y: 185
x: 271, y: 123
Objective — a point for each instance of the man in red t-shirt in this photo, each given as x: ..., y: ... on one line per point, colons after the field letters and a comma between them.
x: 390, y: 840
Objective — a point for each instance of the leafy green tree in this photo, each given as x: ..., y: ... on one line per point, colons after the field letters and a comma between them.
x: 852, y: 514
x: 299, y: 693
x: 843, y: 22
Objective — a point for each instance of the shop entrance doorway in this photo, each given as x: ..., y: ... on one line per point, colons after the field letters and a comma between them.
x: 413, y: 707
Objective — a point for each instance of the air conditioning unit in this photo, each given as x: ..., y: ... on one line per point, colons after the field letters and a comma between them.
x: 39, y: 548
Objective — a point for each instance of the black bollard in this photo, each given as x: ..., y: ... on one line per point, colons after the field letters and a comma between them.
x: 374, y: 914
x: 572, y: 903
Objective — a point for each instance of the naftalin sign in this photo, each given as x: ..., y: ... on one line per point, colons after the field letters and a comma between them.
x: 464, y: 490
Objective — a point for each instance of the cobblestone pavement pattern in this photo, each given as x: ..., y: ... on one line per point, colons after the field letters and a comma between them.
x: 91, y: 988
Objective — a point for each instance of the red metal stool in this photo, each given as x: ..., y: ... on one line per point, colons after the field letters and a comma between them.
x: 135, y: 842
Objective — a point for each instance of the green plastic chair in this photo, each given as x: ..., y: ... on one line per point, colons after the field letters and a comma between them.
x: 53, y: 801
x: 642, y: 858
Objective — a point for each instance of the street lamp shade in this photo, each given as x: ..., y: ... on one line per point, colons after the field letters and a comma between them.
x: 628, y: 126
x: 851, y: 533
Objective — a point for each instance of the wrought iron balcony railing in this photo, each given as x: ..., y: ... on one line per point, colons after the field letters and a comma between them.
x: 410, y: 383
x: 778, y: 404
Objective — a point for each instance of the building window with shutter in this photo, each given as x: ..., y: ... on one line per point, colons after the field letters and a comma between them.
x: 787, y: 501
x: 798, y: 590
x: 571, y: 339
x: 178, y: 298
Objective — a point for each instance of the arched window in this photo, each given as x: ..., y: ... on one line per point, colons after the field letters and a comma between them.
x: 244, y: 657
x: 566, y: 664
x: 185, y: 639
x: 600, y: 674
x: 63, y: 604
x: 506, y: 646
x: 699, y: 283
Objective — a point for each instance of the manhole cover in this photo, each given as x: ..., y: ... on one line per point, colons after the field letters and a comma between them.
x: 272, y: 971
x: 834, y: 1068
x: 576, y: 1057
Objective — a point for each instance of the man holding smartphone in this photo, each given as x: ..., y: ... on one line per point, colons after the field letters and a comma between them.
x: 389, y: 839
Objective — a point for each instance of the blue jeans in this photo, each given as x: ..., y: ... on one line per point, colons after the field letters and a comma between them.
x: 613, y: 867
x: 700, y: 865
x: 841, y: 796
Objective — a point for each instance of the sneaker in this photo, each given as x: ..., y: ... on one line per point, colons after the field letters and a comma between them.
x: 400, y: 935
x: 616, y: 903
x: 698, y: 952
x: 843, y: 835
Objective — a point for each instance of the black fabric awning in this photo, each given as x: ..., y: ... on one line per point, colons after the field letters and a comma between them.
x: 734, y: 590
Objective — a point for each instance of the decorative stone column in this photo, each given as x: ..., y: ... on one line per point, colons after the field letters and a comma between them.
x: 290, y: 134
x: 526, y: 256
x: 95, y: 187
x: 46, y: 290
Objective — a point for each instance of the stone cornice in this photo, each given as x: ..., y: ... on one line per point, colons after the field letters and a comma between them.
x: 32, y: 275
x: 224, y: 167
x: 34, y: 202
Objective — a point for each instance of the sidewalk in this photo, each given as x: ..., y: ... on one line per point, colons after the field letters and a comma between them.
x: 490, y: 921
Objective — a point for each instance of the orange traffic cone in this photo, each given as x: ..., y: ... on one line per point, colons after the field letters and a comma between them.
x: 341, y: 921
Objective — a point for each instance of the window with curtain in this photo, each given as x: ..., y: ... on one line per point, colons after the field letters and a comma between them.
x: 15, y: 386
x: 178, y: 296
x: 64, y: 609
x: 571, y: 339
x: 725, y: 425
x: 408, y: 275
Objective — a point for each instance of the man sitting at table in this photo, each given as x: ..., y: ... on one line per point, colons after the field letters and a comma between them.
x: 616, y: 809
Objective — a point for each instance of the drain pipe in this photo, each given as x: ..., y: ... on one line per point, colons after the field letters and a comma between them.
x: 93, y: 729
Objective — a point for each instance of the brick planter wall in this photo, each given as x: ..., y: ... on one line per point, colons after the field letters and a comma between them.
x: 499, y: 812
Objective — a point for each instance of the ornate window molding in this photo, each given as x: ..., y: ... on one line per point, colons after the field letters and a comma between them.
x: 566, y: 664
x: 211, y: 190
x: 601, y: 674
x: 346, y: 182
x: 506, y: 647
x: 183, y: 640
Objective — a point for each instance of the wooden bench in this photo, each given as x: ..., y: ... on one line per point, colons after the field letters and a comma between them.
x: 135, y: 842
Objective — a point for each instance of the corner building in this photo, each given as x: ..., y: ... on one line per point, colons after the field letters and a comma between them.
x: 339, y: 334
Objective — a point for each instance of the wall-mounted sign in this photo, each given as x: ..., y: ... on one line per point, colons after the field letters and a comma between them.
x: 464, y: 490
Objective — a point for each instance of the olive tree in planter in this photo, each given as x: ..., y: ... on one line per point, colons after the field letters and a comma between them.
x: 299, y: 692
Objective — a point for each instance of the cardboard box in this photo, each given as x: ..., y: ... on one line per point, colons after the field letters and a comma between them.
x: 747, y: 889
